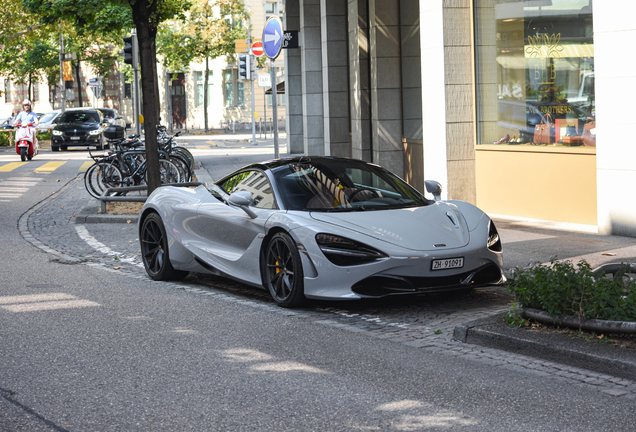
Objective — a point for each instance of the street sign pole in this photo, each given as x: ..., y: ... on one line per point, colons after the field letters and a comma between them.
x: 137, y: 100
x: 253, y: 72
x: 274, y: 113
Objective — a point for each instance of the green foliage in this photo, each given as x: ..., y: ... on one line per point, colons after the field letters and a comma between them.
x: 514, y: 318
x: 208, y: 31
x: 560, y: 288
x: 4, y: 139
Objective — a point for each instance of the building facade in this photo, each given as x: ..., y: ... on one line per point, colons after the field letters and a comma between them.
x: 496, y: 99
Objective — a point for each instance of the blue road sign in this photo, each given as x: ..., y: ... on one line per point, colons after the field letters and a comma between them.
x: 273, y: 37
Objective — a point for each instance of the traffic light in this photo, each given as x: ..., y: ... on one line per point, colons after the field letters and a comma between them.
x: 128, y: 50
x: 244, y: 66
x: 131, y: 51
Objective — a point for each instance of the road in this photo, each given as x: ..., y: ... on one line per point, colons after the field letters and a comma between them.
x: 89, y: 343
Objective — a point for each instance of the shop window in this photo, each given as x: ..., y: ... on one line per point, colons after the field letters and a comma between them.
x: 535, y: 72
x: 200, y: 77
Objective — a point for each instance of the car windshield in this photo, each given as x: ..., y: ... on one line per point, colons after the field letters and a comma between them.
x: 108, y: 113
x: 48, y: 117
x: 80, y: 117
x: 344, y: 186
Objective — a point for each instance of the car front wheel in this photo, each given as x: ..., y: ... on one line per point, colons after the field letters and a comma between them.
x: 283, y: 272
x: 154, y: 250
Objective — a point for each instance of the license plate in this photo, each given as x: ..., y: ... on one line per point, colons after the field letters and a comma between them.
x: 450, y: 263
x: 75, y: 138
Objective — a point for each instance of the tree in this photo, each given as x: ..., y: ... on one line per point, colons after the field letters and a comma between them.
x: 95, y: 16
x: 207, y: 32
x: 27, y: 51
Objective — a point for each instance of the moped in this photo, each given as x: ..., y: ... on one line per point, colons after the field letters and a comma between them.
x: 26, y: 144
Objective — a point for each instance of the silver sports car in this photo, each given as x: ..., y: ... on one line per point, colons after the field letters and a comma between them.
x: 319, y: 228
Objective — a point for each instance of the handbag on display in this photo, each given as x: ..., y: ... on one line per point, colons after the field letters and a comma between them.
x: 571, y: 138
x: 544, y: 131
x: 589, y: 134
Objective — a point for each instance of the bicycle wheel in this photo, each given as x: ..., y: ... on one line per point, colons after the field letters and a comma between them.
x: 184, y: 169
x: 168, y: 171
x: 101, y: 176
x: 186, y: 153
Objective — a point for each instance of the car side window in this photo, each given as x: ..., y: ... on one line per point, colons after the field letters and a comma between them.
x: 255, y: 182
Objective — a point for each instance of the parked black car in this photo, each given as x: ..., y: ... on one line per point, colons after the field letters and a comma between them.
x: 112, y: 116
x: 79, y: 127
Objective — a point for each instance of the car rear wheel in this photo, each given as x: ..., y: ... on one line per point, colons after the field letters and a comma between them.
x: 154, y: 250
x: 283, y: 272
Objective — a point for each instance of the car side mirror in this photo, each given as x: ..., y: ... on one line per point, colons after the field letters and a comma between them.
x: 118, y: 117
x: 435, y: 188
x: 243, y: 199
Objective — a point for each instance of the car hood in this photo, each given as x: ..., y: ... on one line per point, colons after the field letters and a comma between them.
x: 78, y: 126
x: 433, y: 227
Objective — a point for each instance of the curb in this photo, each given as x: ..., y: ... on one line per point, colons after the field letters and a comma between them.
x: 602, y: 326
x: 493, y: 332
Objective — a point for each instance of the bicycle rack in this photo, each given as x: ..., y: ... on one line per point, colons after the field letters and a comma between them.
x: 106, y: 197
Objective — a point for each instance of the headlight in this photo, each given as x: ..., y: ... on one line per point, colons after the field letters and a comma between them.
x: 494, y: 242
x: 346, y: 252
x: 95, y: 132
x: 57, y: 133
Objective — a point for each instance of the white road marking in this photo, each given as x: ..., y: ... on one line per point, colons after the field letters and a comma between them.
x: 32, y: 307
x: 39, y: 302
x: 34, y: 298
x: 101, y: 247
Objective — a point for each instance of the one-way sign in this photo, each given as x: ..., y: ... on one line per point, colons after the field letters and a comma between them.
x: 272, y: 37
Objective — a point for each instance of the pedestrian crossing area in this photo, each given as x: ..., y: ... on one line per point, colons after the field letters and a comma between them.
x: 16, y: 178
x: 42, y: 166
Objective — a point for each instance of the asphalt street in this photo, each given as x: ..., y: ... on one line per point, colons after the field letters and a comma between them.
x: 90, y: 343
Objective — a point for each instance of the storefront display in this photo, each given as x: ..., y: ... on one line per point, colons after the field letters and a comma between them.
x: 535, y: 72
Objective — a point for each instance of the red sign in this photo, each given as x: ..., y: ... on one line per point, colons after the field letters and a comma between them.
x: 257, y: 48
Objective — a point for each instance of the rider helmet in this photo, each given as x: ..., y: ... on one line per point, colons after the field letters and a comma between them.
x: 26, y: 102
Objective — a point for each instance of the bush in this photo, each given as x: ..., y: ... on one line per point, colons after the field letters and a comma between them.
x: 561, y: 289
x: 44, y: 136
x: 4, y: 139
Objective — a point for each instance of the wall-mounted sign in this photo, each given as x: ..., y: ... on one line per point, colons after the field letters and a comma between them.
x: 290, y: 39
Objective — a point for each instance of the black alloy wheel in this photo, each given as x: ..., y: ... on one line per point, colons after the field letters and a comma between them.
x: 283, y: 271
x: 154, y: 250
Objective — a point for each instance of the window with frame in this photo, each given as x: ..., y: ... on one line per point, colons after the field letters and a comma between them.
x: 255, y: 182
x: 535, y: 72
x: 200, y: 78
x: 228, y: 83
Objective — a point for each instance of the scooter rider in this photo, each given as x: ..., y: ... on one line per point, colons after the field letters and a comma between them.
x: 27, y: 116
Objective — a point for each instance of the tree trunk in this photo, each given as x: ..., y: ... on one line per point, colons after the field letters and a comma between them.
x: 205, y: 94
x: 79, y: 83
x: 29, y: 89
x: 143, y: 12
